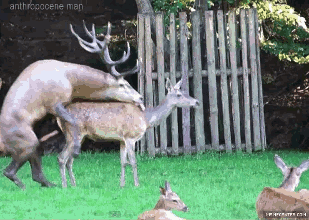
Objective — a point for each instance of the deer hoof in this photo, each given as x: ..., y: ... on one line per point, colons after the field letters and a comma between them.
x: 76, y: 154
x: 15, y: 180
x: 48, y: 184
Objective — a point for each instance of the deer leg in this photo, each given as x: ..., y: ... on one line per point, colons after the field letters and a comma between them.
x: 65, y: 115
x: 69, y: 168
x: 131, y: 155
x: 65, y: 159
x: 62, y: 161
x: 23, y: 144
x: 124, y: 162
x: 36, y: 169
x: 11, y: 170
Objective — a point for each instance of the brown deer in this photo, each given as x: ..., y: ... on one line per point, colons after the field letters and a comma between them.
x: 46, y: 86
x: 117, y: 121
x: 291, y: 174
x: 268, y: 198
x: 167, y: 202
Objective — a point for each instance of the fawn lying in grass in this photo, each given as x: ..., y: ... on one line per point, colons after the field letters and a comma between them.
x: 283, y: 198
x: 168, y: 201
x: 291, y: 174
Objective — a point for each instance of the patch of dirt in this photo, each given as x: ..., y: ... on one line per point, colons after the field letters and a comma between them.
x: 286, y: 99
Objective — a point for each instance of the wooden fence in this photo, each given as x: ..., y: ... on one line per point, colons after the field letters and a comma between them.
x: 221, y: 68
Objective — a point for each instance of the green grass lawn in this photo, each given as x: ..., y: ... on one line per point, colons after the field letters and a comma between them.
x: 212, y: 185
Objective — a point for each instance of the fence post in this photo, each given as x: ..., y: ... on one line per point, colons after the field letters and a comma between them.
x: 261, y: 103
x: 235, y: 96
x: 149, y: 89
x: 224, y: 88
x: 244, y: 41
x: 254, y: 81
x: 212, y: 82
x: 185, y: 81
x: 197, y: 82
x: 161, y: 77
x: 141, y: 57
x: 175, y: 142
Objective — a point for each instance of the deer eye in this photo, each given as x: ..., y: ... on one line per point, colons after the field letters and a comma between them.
x: 178, y: 95
x: 121, y: 85
x: 175, y: 201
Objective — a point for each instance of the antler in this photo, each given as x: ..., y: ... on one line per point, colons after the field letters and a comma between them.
x: 116, y: 74
x: 108, y: 61
x: 95, y: 46
x: 101, y: 48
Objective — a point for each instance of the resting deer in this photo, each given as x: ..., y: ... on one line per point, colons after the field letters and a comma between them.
x: 291, y: 174
x: 46, y: 86
x: 283, y: 198
x: 117, y: 121
x: 168, y: 201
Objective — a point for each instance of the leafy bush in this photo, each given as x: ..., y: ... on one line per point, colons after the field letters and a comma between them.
x: 285, y: 31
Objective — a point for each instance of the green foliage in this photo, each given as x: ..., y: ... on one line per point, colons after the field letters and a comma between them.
x: 290, y: 51
x: 284, y: 30
x: 168, y: 7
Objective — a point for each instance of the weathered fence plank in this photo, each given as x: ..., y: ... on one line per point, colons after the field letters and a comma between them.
x: 149, y: 89
x: 161, y: 80
x: 261, y: 103
x: 254, y: 81
x: 244, y: 41
x: 185, y: 80
x: 235, y: 96
x: 224, y: 88
x: 212, y: 82
x: 197, y: 82
x: 141, y: 74
x: 172, y: 75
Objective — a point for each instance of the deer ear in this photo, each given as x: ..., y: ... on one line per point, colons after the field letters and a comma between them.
x: 304, y: 166
x: 167, y: 186
x: 280, y: 164
x: 178, y: 85
x: 168, y: 85
x: 163, y: 191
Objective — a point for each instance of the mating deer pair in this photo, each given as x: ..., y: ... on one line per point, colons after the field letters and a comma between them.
x: 46, y: 86
x: 117, y: 121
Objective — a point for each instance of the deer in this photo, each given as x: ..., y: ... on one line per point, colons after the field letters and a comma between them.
x: 291, y: 174
x: 168, y: 201
x: 123, y: 122
x: 47, y: 86
x: 290, y: 182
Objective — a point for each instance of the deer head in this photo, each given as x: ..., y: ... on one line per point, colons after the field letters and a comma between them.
x: 119, y: 88
x: 178, y: 97
x: 170, y: 200
x: 291, y: 174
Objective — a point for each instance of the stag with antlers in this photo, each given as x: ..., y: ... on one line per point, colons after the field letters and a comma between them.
x: 47, y: 86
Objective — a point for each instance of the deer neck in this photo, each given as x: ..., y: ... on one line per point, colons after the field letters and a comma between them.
x: 161, y: 205
x: 155, y: 115
x: 289, y: 183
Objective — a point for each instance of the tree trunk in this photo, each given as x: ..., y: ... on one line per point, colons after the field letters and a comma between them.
x: 144, y: 6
